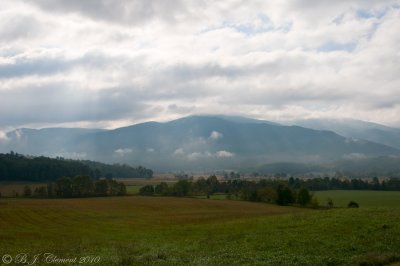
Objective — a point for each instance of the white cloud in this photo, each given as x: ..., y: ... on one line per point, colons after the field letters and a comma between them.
x: 179, y: 152
x: 215, y: 135
x: 18, y: 134
x: 202, y: 155
x: 122, y: 152
x: 224, y: 154
x: 120, y: 63
x: 198, y: 155
x: 354, y: 156
x: 69, y: 155
x: 3, y: 136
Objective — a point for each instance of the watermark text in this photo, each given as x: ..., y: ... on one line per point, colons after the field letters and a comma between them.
x: 47, y: 258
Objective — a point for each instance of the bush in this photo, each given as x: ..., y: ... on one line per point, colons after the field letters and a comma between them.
x: 330, y: 203
x: 303, y: 197
x: 285, y: 195
x: 147, y: 190
x: 352, y: 204
x: 40, y: 192
x: 314, y: 203
x: 27, y: 192
x: 161, y: 189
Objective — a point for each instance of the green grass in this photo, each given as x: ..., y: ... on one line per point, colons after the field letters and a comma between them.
x: 363, y: 197
x: 132, y: 189
x: 216, y: 196
x: 188, y: 231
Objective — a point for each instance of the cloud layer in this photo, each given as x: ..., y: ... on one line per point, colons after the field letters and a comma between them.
x: 108, y: 64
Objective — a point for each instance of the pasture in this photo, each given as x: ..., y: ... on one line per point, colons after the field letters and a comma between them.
x: 187, y: 231
x: 365, y: 198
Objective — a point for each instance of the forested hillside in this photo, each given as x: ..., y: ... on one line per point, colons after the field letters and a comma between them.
x: 17, y: 167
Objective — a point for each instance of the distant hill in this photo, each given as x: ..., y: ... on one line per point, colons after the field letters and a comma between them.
x: 198, y: 143
x: 355, y: 129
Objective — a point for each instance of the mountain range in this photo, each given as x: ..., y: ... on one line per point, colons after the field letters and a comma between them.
x: 207, y: 142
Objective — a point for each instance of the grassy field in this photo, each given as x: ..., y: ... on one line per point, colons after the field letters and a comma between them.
x: 364, y: 198
x: 132, y: 189
x: 188, y: 231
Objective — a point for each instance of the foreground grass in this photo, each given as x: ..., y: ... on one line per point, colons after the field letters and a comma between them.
x: 182, y: 231
x: 365, y: 198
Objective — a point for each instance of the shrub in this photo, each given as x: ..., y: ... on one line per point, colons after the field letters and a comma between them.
x: 27, y: 191
x: 314, y: 203
x: 330, y: 203
x: 352, y: 204
x: 147, y: 190
x: 40, y: 192
x: 303, y: 197
x: 285, y: 195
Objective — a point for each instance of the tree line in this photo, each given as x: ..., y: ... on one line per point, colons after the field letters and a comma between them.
x: 77, y: 187
x: 17, y: 167
x: 291, y: 191
x: 270, y: 191
x: 326, y: 183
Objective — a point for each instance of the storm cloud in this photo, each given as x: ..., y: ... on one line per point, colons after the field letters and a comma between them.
x: 114, y: 63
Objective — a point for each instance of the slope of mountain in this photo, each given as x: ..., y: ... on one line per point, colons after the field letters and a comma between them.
x: 355, y: 129
x: 47, y: 141
x: 197, y: 143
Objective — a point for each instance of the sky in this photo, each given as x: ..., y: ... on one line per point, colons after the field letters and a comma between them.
x: 106, y: 63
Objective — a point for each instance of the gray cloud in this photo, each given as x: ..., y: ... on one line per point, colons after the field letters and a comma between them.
x: 19, y: 27
x: 48, y: 64
x: 125, y: 12
x: 57, y: 104
x: 38, y: 66
x: 126, y: 61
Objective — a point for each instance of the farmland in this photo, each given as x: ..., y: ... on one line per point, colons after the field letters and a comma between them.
x: 365, y: 198
x: 178, y: 231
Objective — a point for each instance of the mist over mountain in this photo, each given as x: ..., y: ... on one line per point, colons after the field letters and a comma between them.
x: 198, y: 143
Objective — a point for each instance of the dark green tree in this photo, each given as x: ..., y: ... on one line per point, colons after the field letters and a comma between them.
x: 63, y: 187
x: 101, y: 187
x: 285, y: 195
x: 182, y: 188
x: 303, y: 197
x: 161, y: 189
x: 147, y: 190
x: 82, y: 186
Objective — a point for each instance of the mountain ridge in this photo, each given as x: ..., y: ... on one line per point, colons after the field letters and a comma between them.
x: 199, y: 142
